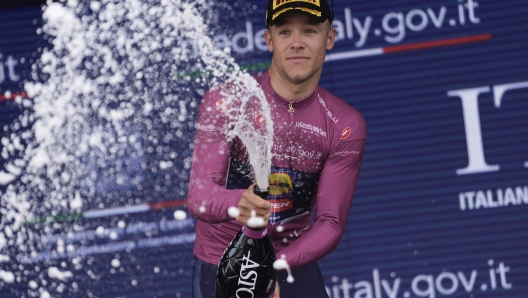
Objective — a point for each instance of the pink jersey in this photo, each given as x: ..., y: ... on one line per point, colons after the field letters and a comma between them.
x: 317, y: 154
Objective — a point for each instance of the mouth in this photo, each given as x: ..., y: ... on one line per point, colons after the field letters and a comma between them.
x: 297, y: 59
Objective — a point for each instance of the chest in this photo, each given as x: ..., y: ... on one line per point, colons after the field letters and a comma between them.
x: 301, y: 140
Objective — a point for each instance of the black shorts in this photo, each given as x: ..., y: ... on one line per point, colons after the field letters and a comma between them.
x: 308, y: 281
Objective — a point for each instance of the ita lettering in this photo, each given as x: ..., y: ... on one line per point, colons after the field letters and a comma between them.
x: 475, y: 149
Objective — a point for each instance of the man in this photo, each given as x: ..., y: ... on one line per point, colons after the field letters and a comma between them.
x: 317, y: 152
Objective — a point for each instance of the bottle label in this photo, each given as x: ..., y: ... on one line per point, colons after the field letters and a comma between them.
x: 248, y: 277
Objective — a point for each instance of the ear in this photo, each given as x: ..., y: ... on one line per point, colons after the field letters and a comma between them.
x: 269, y: 42
x: 330, y: 41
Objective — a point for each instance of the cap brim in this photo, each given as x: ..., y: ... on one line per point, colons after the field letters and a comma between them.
x: 288, y: 10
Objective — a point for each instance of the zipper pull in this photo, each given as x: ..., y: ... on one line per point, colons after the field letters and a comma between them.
x: 290, y: 107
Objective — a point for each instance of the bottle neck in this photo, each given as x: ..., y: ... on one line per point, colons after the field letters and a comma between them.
x: 255, y: 233
x: 263, y: 193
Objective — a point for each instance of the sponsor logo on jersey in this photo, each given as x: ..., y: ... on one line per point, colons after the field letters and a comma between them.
x: 280, y: 183
x: 281, y: 205
x: 293, y: 152
x: 328, y: 113
x: 220, y: 106
x: 346, y: 153
x: 260, y: 120
x: 311, y: 128
x: 346, y: 133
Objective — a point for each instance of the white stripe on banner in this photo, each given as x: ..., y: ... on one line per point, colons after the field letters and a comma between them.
x: 116, y: 211
x: 354, y: 54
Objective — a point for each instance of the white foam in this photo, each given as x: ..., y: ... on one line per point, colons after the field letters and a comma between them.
x: 76, y: 203
x: 55, y: 273
x: 165, y: 164
x: 121, y: 224
x: 255, y: 221
x: 6, y: 178
x: 180, y: 215
x: 233, y: 212
x: 7, y: 276
x: 116, y: 263
x: 282, y: 264
x: 97, y: 72
x: 33, y: 284
x: 95, y: 5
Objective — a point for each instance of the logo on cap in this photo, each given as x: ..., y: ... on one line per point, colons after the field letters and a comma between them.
x: 346, y: 133
x: 278, y: 3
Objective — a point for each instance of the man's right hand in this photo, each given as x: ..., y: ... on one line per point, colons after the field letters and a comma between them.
x: 250, y: 201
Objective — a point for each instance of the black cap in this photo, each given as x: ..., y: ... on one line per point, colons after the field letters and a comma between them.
x: 317, y: 8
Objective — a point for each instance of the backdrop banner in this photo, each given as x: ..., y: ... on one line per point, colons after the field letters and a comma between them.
x: 441, y: 203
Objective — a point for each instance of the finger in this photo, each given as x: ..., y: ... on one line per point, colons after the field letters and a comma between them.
x: 258, y: 202
x: 242, y: 220
x: 253, y: 201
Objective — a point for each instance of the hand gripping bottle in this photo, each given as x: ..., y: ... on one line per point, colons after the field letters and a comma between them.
x: 246, y: 267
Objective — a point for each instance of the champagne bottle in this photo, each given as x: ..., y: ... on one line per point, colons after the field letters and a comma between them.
x: 246, y: 267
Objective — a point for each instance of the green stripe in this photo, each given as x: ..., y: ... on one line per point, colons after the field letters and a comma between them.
x: 200, y: 73
x: 57, y: 218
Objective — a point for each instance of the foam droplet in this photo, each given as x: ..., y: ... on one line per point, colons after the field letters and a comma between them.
x: 233, y: 212
x: 256, y: 222
x: 280, y: 229
x: 113, y: 235
x: 202, y: 209
x: 280, y: 264
x: 95, y: 5
x: 116, y: 263
x: 54, y: 272
x: 180, y: 215
x: 7, y: 277
x: 100, y: 231
x: 33, y: 284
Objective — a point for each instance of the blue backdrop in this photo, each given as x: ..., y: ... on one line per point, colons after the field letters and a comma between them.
x: 441, y: 204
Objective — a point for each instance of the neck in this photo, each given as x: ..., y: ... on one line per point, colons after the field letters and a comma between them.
x: 290, y: 90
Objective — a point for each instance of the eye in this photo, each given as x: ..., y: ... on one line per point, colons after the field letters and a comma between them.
x: 283, y: 32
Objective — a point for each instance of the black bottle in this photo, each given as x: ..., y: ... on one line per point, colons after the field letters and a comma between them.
x: 246, y: 267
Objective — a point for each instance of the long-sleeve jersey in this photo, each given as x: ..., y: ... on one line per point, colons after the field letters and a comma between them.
x: 317, y: 152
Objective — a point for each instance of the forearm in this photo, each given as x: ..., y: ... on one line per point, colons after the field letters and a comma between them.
x: 316, y: 243
x: 337, y: 185
x: 208, y: 200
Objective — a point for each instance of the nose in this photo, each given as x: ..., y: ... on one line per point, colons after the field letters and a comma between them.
x: 297, y: 40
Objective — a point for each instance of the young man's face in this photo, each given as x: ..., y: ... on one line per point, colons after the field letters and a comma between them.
x: 299, y: 44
